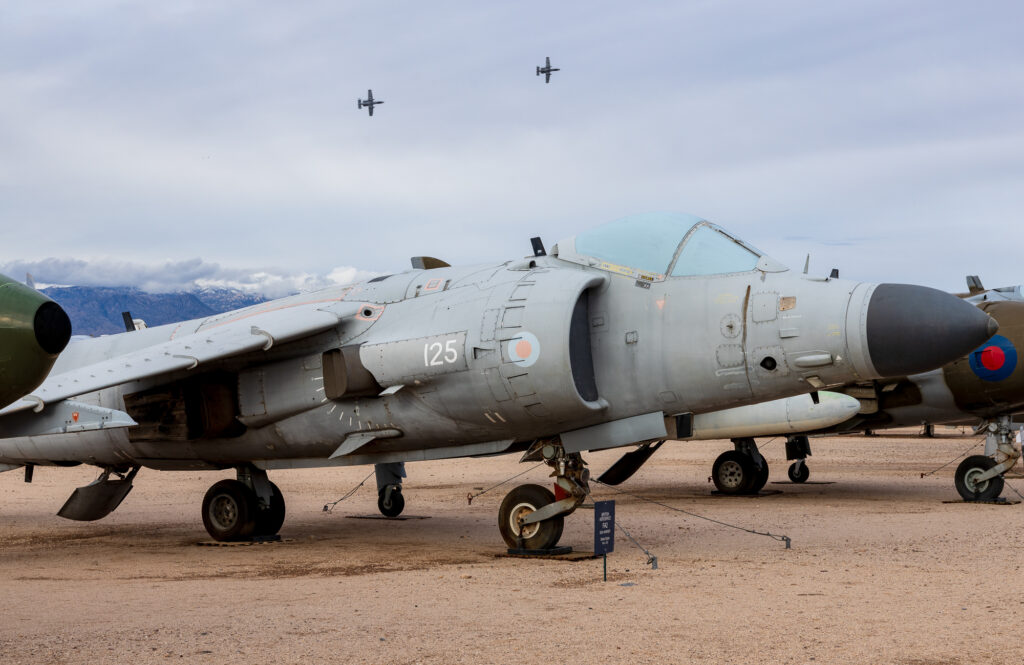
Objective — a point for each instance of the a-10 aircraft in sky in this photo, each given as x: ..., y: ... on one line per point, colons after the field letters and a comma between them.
x: 633, y: 332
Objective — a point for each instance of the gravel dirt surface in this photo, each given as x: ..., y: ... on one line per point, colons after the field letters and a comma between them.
x: 881, y: 569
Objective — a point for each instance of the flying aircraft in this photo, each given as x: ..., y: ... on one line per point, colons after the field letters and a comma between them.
x: 33, y: 332
x: 369, y: 102
x: 624, y: 334
x: 546, y: 70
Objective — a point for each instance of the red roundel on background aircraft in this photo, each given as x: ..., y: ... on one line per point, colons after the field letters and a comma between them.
x: 994, y: 360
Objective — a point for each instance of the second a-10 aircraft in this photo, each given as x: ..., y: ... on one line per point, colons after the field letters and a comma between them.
x: 627, y: 333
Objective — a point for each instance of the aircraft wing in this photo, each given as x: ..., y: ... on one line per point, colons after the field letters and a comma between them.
x: 249, y: 332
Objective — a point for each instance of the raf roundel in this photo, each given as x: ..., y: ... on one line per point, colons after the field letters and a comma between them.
x: 523, y: 349
x: 994, y: 360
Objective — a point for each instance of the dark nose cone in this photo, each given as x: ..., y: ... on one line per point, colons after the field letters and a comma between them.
x: 52, y: 327
x: 913, y: 329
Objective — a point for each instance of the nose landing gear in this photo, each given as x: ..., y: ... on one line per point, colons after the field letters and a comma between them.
x: 531, y: 516
x: 980, y: 477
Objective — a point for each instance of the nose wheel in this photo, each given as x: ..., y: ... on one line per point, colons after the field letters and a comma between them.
x: 531, y: 517
x: 980, y: 477
x: 970, y: 482
x: 519, y: 504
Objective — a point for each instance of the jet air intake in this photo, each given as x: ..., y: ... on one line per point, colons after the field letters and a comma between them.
x: 911, y: 329
x: 33, y: 330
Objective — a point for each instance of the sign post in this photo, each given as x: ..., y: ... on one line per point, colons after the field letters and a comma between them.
x: 604, y: 531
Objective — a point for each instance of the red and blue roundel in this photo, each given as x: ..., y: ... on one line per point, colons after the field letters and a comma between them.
x: 994, y: 360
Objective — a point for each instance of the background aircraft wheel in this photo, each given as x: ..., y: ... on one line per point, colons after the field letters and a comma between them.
x: 799, y: 475
x: 269, y: 520
x: 519, y: 503
x: 760, y: 477
x: 394, y: 506
x: 733, y: 473
x: 229, y: 510
x: 970, y: 489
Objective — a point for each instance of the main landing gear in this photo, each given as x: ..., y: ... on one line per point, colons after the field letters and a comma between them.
x: 531, y: 517
x: 980, y: 477
x: 740, y: 471
x: 249, y: 507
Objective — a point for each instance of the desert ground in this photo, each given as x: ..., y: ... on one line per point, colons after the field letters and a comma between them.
x: 882, y: 569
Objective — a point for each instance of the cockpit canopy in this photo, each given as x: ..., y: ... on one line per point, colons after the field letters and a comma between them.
x: 652, y: 246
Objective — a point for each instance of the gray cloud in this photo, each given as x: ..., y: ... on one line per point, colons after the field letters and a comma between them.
x: 229, y: 130
x: 173, y: 276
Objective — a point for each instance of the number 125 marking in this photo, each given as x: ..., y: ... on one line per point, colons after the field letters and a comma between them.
x: 435, y: 354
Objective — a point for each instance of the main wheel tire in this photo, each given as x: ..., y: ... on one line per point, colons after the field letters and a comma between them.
x: 733, y: 473
x: 970, y: 489
x: 799, y: 473
x: 229, y: 511
x: 394, y: 506
x: 760, y: 477
x: 270, y: 519
x: 519, y: 503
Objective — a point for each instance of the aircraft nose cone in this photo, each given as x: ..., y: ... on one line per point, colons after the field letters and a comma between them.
x: 913, y: 329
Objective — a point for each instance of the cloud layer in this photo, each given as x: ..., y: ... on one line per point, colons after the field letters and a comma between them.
x: 173, y: 276
x: 886, y: 136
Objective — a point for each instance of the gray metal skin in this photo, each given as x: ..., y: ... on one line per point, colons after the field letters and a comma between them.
x: 441, y: 342
x: 685, y: 358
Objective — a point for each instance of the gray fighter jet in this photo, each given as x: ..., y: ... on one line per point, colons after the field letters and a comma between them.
x: 369, y: 102
x: 546, y: 70
x: 625, y: 334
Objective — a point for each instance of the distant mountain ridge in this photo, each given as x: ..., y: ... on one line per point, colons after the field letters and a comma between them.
x: 96, y: 310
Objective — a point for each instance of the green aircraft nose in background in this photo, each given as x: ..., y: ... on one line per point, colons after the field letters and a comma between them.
x: 33, y: 331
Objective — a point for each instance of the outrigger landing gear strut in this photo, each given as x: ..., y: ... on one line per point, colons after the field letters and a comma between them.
x: 532, y: 517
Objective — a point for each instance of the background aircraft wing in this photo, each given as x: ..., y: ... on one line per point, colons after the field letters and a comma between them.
x: 249, y: 332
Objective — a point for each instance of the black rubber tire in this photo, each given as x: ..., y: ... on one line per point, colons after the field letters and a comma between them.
x: 760, y: 477
x: 733, y: 473
x: 229, y: 511
x: 974, y: 465
x: 269, y: 520
x: 395, y: 507
x: 800, y: 476
x: 520, y: 502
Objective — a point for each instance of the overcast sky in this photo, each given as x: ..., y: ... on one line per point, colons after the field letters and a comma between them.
x: 155, y: 144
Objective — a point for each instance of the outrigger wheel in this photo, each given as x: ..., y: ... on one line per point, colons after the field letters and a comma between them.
x: 798, y: 472
x: 972, y: 490
x: 390, y: 501
x: 519, y: 503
